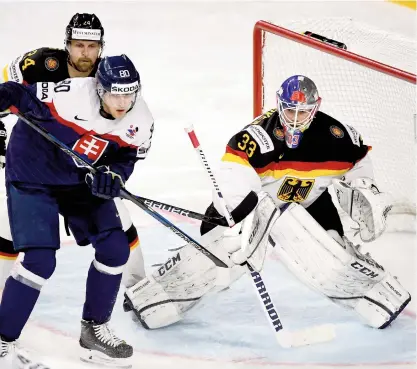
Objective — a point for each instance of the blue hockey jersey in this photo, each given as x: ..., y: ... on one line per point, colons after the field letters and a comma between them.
x: 70, y: 110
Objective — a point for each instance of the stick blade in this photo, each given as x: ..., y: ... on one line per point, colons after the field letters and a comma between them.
x: 309, y: 336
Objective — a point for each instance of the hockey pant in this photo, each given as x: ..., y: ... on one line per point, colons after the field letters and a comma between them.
x: 33, y: 214
x: 134, y: 270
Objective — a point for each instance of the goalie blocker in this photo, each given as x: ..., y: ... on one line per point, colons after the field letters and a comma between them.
x: 321, y: 259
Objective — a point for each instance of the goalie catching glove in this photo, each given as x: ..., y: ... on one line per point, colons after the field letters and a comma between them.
x: 365, y: 204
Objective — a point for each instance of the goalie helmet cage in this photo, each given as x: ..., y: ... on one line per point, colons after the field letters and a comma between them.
x: 377, y: 99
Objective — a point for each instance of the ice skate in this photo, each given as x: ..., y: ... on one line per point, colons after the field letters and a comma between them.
x: 103, y: 347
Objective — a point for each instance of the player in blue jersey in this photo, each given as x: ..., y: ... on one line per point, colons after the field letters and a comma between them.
x: 84, y: 43
x: 107, y: 121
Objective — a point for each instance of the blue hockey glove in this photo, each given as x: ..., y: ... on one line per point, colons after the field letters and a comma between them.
x: 105, y: 183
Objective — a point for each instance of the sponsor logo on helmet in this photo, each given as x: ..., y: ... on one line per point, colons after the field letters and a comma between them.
x: 86, y: 34
x: 336, y: 131
x: 51, y: 64
x: 298, y: 96
x: 279, y: 134
x: 118, y: 88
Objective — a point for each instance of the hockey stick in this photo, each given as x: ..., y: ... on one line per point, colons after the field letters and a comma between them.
x: 220, y: 221
x: 309, y: 336
x: 123, y: 192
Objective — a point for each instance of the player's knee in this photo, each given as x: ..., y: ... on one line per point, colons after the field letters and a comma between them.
x: 112, y: 248
x: 41, y: 262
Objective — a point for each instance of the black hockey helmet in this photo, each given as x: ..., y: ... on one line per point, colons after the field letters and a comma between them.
x: 85, y: 26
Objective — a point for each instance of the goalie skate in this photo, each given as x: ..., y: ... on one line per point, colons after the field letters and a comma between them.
x: 102, y: 347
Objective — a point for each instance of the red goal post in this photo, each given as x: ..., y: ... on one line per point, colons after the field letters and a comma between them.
x: 350, y: 83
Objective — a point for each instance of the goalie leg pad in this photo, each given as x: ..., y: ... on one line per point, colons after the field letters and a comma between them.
x: 337, y: 270
x: 177, y: 285
x: 381, y: 305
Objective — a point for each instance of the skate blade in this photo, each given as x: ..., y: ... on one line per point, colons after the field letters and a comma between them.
x: 98, y: 358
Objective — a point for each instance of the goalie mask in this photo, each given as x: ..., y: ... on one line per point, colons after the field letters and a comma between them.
x: 297, y: 102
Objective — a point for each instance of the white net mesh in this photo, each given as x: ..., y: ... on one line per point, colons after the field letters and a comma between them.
x: 381, y: 107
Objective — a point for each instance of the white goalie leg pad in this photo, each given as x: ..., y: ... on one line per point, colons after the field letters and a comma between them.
x: 177, y: 285
x: 337, y: 269
x: 363, y: 202
x: 383, y: 303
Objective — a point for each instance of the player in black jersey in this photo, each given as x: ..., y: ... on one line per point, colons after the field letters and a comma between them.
x: 84, y: 42
x: 278, y: 170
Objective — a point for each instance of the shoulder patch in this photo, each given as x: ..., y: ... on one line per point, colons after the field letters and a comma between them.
x: 337, y: 131
x: 261, y: 137
x: 279, y: 134
x: 354, y: 135
x: 51, y: 64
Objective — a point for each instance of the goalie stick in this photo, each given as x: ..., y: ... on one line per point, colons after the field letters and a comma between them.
x: 286, y: 339
x: 123, y: 192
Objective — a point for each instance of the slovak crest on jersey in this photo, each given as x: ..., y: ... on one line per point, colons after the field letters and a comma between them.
x: 90, y: 146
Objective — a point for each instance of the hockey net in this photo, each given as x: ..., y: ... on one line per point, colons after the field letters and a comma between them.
x: 371, y: 86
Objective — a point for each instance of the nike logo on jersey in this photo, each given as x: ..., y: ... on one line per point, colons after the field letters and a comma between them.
x: 76, y: 118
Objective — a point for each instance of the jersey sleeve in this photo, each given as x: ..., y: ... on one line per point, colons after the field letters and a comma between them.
x: 24, y: 98
x: 30, y: 67
x: 236, y: 173
x: 12, y: 71
x: 360, y: 156
x: 359, y: 150
x: 128, y: 156
x: 23, y: 68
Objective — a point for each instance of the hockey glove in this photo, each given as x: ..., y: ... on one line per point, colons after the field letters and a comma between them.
x: 3, y: 136
x: 105, y: 183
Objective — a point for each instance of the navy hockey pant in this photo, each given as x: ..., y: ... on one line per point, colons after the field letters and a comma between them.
x: 33, y: 214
